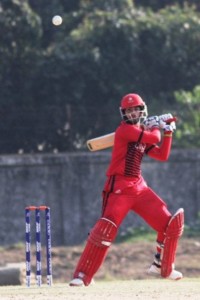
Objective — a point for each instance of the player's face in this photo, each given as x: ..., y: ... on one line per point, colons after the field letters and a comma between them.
x: 133, y: 114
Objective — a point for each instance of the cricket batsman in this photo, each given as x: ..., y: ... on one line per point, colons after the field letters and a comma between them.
x: 125, y: 190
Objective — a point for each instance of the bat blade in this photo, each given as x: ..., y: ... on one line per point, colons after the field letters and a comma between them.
x: 102, y: 142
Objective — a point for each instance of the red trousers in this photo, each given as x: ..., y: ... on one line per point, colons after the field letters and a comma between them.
x: 121, y: 196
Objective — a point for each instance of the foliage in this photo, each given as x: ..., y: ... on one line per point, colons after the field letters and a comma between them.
x: 188, y: 132
x: 62, y: 85
x: 157, y: 4
x: 20, y: 34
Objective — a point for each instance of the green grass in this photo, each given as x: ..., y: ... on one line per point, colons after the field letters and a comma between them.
x: 192, y: 232
x: 136, y: 234
x: 132, y: 235
x: 13, y: 246
x: 143, y: 233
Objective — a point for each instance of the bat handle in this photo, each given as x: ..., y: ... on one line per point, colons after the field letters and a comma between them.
x: 174, y: 119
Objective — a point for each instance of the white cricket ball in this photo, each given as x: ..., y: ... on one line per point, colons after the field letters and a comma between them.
x: 57, y: 20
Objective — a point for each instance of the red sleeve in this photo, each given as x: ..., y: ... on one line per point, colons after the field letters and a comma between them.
x: 132, y: 133
x: 161, y: 152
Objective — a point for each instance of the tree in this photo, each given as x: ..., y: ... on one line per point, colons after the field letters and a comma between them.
x: 20, y: 32
x: 63, y: 85
x: 157, y: 4
x: 188, y: 132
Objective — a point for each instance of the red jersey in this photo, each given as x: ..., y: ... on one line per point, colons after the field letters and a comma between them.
x: 131, y: 143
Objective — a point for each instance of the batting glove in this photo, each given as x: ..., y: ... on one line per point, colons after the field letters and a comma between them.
x: 152, y: 122
x: 165, y: 117
x: 169, y: 127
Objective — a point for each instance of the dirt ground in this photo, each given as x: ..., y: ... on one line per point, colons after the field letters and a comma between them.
x: 124, y: 261
x: 156, y: 289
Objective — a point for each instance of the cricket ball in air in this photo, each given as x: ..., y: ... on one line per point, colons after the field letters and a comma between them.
x: 57, y: 20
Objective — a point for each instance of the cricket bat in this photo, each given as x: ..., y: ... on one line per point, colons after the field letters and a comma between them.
x: 107, y: 140
x: 101, y: 142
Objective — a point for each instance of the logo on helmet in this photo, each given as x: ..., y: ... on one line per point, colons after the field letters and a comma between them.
x: 130, y: 100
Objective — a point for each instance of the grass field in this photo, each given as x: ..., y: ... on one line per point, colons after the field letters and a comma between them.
x: 154, y: 289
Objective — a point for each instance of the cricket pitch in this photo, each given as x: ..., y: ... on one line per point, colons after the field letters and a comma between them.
x: 149, y: 289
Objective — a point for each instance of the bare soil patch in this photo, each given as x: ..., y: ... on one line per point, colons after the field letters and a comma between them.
x: 156, y: 289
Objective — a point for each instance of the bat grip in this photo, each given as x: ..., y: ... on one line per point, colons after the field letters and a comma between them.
x: 174, y: 119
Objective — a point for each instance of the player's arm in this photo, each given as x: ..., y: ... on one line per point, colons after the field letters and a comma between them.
x: 137, y: 134
x: 162, y: 151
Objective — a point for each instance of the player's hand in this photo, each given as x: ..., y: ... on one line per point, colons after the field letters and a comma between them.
x: 167, y: 127
x: 152, y: 122
x: 167, y: 122
x: 170, y: 127
x: 165, y: 117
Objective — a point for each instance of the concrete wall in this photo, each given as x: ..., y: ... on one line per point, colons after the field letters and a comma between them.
x: 71, y: 185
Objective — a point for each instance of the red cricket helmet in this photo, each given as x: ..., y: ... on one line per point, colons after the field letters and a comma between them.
x: 133, y: 100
